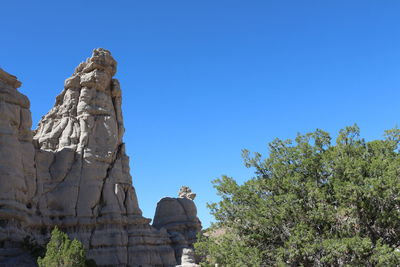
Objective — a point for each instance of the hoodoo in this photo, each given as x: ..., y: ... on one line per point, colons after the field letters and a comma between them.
x: 73, y: 172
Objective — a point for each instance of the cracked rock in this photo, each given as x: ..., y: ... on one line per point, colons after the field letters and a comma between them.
x: 178, y: 216
x: 84, y: 174
x: 73, y: 172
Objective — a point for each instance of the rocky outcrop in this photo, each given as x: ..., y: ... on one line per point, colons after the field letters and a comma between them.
x: 178, y: 216
x: 17, y: 172
x: 83, y: 176
x: 73, y: 173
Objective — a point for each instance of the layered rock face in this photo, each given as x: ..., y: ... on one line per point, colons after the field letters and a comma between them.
x: 17, y: 171
x: 74, y: 172
x: 83, y: 177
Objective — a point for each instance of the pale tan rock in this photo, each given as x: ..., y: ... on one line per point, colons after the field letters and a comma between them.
x: 9, y: 79
x: 178, y: 216
x: 17, y: 171
x: 186, y: 192
x: 83, y: 172
x: 188, y: 258
x: 73, y: 172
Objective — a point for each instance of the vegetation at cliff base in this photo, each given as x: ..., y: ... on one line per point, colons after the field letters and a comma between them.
x: 311, y: 203
x: 62, y: 252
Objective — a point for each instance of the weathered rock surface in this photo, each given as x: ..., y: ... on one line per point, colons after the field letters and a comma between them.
x: 84, y: 184
x: 17, y: 171
x: 188, y: 258
x: 11, y: 257
x: 74, y: 174
x: 186, y: 192
x: 179, y: 217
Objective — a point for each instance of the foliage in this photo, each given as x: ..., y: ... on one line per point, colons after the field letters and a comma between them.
x: 62, y: 252
x: 312, y: 203
x: 227, y: 249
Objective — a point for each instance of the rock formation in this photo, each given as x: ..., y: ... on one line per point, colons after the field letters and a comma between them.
x: 186, y: 192
x: 17, y: 172
x: 179, y: 217
x: 74, y: 173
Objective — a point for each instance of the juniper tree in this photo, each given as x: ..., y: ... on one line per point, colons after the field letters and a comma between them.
x: 62, y: 252
x: 311, y: 203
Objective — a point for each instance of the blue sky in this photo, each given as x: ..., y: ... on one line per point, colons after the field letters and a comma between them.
x: 202, y: 80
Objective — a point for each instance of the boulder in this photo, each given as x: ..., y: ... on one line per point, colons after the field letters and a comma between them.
x: 178, y: 216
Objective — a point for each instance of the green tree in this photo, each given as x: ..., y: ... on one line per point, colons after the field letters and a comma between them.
x: 62, y: 252
x: 311, y: 203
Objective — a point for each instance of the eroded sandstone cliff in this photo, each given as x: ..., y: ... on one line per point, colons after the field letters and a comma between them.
x: 17, y: 172
x: 74, y: 173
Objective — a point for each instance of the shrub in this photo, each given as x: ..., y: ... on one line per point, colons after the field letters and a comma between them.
x: 62, y: 252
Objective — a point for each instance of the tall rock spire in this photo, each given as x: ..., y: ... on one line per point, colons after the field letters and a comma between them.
x: 82, y: 165
x: 84, y: 184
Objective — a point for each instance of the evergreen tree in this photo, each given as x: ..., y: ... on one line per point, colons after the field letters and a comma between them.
x: 62, y: 252
x: 311, y: 203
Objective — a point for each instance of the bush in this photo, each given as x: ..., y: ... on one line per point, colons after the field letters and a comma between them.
x: 62, y: 252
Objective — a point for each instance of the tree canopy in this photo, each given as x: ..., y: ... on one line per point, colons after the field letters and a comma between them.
x: 311, y: 203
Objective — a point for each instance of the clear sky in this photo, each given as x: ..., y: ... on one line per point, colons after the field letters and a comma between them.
x: 202, y: 80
